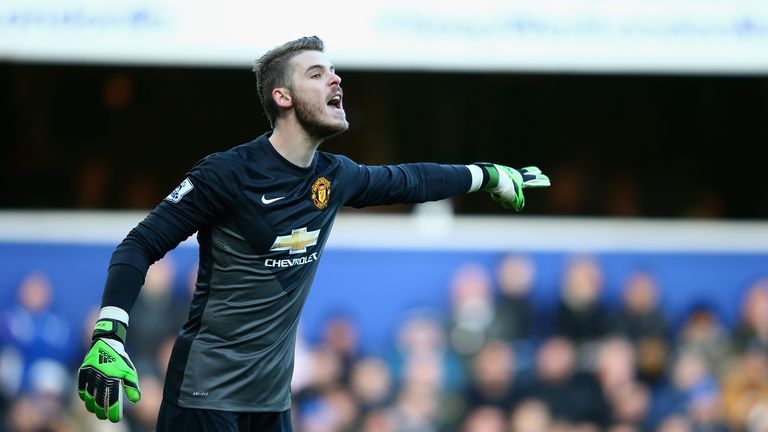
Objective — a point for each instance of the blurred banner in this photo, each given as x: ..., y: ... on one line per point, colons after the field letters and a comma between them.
x: 666, y: 36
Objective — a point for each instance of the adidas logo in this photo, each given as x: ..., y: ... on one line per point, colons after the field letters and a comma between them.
x: 104, y: 357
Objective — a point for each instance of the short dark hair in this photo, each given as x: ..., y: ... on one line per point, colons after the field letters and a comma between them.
x: 272, y: 70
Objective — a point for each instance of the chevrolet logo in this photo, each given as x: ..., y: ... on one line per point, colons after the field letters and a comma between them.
x: 296, y: 242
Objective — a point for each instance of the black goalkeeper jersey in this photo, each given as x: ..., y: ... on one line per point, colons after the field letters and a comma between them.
x: 262, y: 224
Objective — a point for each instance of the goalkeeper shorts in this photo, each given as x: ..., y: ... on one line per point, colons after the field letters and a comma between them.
x: 173, y: 418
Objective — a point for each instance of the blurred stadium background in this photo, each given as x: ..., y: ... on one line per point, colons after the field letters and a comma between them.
x: 630, y: 296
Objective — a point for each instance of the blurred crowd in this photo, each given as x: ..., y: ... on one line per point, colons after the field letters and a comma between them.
x: 486, y: 364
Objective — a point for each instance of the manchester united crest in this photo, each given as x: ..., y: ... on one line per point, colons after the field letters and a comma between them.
x: 321, y: 192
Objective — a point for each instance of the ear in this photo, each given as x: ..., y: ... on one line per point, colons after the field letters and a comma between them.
x: 282, y: 97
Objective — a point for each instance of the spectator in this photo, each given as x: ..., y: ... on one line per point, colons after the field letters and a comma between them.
x: 757, y: 420
x: 705, y: 411
x: 345, y: 410
x: 745, y: 388
x: 492, y: 378
x: 317, y: 416
x: 324, y: 376
x: 427, y: 375
x: 37, y: 344
x: 425, y: 395
x: 371, y: 383
x: 640, y: 316
x: 702, y: 331
x: 515, y: 276
x: 675, y: 423
x: 690, y: 379
x: 652, y: 354
x: 631, y: 405
x: 622, y: 427
x: 752, y: 329
x: 580, y: 316
x: 340, y: 336
x: 472, y: 309
x: 421, y: 340
x: 485, y: 419
x: 530, y: 415
x: 25, y: 416
x: 325, y: 403
x: 379, y: 420
x: 616, y: 371
x: 571, y: 396
x: 615, y: 364
x: 416, y: 409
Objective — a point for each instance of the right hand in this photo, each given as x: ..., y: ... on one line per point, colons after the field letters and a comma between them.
x: 106, y: 371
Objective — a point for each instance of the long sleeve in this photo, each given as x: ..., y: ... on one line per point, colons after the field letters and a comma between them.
x: 406, y: 183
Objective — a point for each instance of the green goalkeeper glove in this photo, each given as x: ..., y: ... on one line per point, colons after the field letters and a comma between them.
x: 506, y: 184
x: 106, y: 370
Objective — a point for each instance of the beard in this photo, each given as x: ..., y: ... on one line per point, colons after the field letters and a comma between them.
x: 311, y: 119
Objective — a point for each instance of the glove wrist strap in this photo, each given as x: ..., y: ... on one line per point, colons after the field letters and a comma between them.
x: 110, y: 329
x: 491, y: 179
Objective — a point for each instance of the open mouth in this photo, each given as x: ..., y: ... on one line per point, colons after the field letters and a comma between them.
x: 335, y: 102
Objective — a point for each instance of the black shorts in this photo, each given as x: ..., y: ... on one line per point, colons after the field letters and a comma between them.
x: 173, y: 418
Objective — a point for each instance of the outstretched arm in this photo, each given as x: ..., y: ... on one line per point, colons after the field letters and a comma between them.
x: 408, y: 183
x: 420, y: 182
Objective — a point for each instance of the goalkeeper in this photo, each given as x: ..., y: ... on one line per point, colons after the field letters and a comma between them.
x: 262, y: 212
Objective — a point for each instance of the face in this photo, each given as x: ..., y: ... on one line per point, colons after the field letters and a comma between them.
x: 317, y: 95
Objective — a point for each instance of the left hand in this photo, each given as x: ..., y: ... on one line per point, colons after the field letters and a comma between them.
x: 506, y: 184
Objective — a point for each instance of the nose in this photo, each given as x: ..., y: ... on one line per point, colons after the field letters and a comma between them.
x: 335, y: 79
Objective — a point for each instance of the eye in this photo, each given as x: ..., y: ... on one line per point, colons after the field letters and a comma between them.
x: 315, y: 76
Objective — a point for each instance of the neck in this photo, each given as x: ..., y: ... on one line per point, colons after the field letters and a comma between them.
x: 294, y: 143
